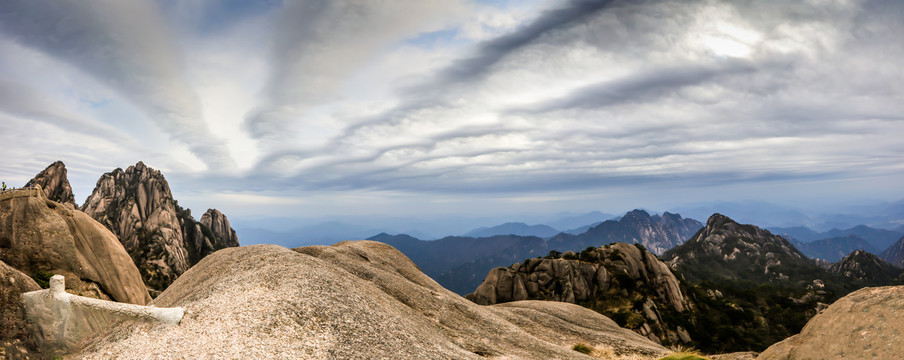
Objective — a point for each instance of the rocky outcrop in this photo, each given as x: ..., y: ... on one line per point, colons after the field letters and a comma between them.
x: 204, y: 237
x: 613, y: 279
x: 726, y: 250
x: 137, y: 205
x: 40, y: 236
x: 55, y: 184
x: 862, y: 325
x: 222, y: 234
x: 352, y: 300
x: 894, y: 254
x: 16, y: 340
x: 161, y: 237
x: 656, y: 233
x: 861, y: 265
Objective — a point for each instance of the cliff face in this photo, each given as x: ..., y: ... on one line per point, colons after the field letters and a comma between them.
x: 161, y: 237
x: 625, y: 282
x: 38, y: 235
x: 55, y: 184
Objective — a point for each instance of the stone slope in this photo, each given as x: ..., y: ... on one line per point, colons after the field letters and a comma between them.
x: 162, y: 238
x: 656, y: 233
x: 595, y: 278
x: 352, y: 300
x: 40, y: 235
x: 55, y: 184
x: 862, y: 265
x: 862, y: 325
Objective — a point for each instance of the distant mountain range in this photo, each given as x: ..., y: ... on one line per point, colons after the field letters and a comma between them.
x: 754, y: 287
x: 883, y: 215
x: 513, y: 228
x: 833, y: 249
x: 879, y: 238
x: 657, y: 233
x: 459, y: 263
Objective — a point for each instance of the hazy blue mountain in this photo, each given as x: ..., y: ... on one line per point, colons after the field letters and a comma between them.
x: 751, y: 212
x: 582, y: 229
x: 894, y: 254
x: 577, y: 221
x: 834, y: 249
x: 656, y: 233
x: 799, y: 233
x: 439, y: 256
x: 513, y: 228
x: 879, y: 238
x: 460, y: 263
x: 886, y: 215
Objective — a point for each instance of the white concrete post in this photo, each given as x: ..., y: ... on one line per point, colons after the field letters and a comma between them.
x: 57, y: 285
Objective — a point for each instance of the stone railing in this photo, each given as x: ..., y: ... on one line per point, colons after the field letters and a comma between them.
x: 62, y: 322
x: 21, y: 193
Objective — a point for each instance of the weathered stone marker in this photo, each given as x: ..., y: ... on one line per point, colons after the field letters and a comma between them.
x: 62, y: 321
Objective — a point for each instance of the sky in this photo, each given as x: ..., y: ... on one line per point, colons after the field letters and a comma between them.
x: 414, y: 107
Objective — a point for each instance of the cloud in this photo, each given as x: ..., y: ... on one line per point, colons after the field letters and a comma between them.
x: 24, y: 101
x: 318, y: 44
x: 710, y: 93
x: 432, y: 99
x: 126, y: 46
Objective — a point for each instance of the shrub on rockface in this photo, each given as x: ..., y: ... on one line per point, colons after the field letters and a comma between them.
x: 581, y: 348
x: 42, y: 278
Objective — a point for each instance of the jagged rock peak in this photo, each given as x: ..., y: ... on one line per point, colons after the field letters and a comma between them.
x: 863, y: 265
x: 721, y: 224
x: 637, y: 215
x: 223, y: 234
x: 729, y: 250
x: 654, y: 232
x: 137, y: 206
x: 55, y: 183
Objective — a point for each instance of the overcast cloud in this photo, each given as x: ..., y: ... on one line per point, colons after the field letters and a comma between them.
x: 349, y: 106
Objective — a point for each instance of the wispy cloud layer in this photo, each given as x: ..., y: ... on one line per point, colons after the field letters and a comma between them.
x: 125, y: 45
x: 483, y: 100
